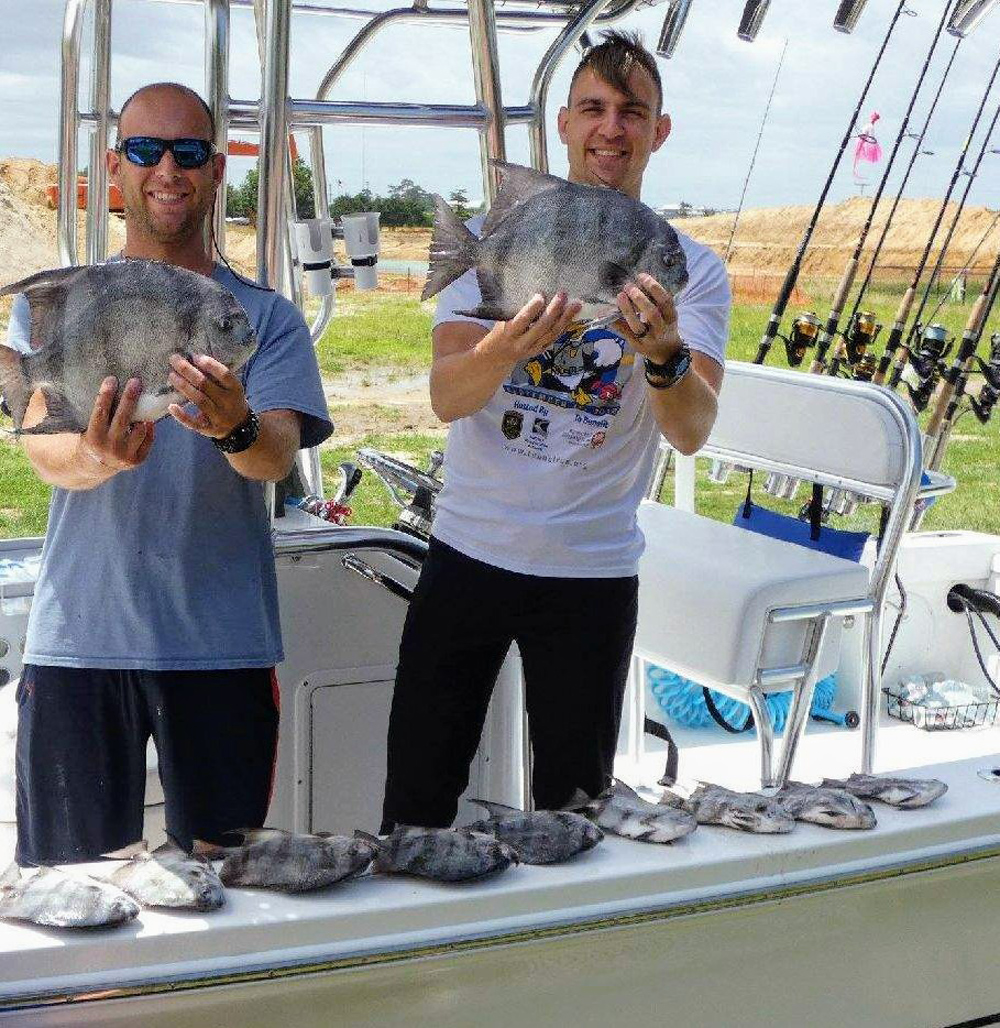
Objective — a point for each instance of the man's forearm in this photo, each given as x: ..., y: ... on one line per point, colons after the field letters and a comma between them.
x: 685, y: 413
x: 272, y: 454
x: 462, y: 383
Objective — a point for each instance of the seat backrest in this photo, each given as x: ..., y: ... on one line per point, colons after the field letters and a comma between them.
x: 816, y: 427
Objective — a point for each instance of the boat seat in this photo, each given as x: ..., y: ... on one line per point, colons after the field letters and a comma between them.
x: 742, y: 613
x: 746, y: 614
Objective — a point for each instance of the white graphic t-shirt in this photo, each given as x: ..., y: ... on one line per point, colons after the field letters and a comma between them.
x: 547, y: 477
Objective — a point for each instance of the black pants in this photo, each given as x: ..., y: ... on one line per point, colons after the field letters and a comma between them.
x: 81, y: 756
x: 575, y: 638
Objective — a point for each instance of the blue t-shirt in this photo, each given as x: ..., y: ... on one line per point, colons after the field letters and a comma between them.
x: 170, y: 566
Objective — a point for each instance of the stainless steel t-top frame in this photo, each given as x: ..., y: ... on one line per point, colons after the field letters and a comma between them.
x: 277, y: 113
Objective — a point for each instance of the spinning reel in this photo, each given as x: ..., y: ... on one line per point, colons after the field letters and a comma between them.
x: 927, y: 361
x: 983, y: 404
x: 804, y: 331
x: 860, y: 337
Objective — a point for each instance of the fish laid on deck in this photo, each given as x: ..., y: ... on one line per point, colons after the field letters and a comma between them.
x: 539, y: 836
x: 124, y: 318
x: 746, y: 811
x: 825, y: 805
x: 442, y: 854
x: 48, y: 896
x: 544, y: 234
x: 274, y: 859
x: 170, y: 877
x: 905, y: 793
x: 621, y: 811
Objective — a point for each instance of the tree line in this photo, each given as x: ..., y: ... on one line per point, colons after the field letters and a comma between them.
x: 406, y: 204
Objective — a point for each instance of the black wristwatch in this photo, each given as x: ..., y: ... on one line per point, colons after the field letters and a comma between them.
x: 671, y: 371
x: 242, y: 437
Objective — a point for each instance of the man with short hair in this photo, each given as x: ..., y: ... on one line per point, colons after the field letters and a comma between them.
x: 555, y: 430
x: 155, y: 612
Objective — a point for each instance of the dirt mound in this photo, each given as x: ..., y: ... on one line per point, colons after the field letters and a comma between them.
x: 27, y: 178
x: 767, y: 238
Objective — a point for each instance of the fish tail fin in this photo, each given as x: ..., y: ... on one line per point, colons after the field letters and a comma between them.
x: 15, y: 390
x: 133, y: 849
x: 209, y: 850
x: 577, y: 801
x: 494, y: 808
x: 452, y: 250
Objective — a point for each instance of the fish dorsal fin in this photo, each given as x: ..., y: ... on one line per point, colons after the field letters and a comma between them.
x: 516, y: 184
x: 496, y: 809
x: 59, y: 416
x: 578, y: 800
x: 45, y: 293
x: 129, y: 852
x: 210, y: 850
x: 624, y: 789
x: 11, y: 876
x: 373, y: 840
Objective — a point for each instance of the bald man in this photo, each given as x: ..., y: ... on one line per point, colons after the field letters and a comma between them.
x: 155, y: 613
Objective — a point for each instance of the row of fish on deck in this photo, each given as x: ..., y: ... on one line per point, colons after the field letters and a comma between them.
x: 168, y: 877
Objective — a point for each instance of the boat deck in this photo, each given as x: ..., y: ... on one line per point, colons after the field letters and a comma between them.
x: 380, y: 918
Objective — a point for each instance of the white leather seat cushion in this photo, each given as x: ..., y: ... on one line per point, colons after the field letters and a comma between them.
x: 705, y: 590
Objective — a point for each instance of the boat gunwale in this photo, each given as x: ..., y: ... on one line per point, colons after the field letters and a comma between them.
x: 291, y: 969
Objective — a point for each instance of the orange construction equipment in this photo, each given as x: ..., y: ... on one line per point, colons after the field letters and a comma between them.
x: 236, y: 148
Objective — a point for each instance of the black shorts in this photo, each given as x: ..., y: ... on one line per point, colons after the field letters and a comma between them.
x: 81, y: 756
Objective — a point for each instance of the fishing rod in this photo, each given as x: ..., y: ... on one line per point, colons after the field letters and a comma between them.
x: 928, y: 378
x: 793, y: 272
x: 954, y: 379
x: 968, y: 264
x: 753, y: 159
x: 862, y: 327
x: 903, y: 311
x: 829, y: 332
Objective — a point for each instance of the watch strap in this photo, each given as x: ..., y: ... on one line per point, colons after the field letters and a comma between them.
x: 242, y: 437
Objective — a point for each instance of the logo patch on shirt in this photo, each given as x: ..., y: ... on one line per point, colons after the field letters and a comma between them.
x: 597, y: 439
x: 540, y: 427
x: 512, y: 423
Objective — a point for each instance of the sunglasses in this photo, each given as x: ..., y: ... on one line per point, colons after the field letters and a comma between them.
x: 148, y: 151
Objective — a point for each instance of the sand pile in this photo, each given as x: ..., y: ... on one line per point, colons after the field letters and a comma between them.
x: 767, y: 238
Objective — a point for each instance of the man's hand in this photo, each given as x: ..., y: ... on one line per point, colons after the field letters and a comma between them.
x: 649, y: 319
x: 214, y: 390
x: 113, y: 440
x: 534, y: 328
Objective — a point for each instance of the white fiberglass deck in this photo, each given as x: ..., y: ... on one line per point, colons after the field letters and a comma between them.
x: 380, y: 915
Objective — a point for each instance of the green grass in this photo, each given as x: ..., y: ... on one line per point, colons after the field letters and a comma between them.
x: 390, y: 333
x: 372, y: 330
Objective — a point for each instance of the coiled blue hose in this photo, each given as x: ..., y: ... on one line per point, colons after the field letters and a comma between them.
x: 681, y: 699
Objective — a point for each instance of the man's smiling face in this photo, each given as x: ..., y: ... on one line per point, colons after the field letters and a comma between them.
x: 610, y: 135
x: 165, y: 203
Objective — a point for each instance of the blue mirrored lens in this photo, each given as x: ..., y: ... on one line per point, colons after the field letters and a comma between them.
x: 144, y: 152
x: 190, y: 153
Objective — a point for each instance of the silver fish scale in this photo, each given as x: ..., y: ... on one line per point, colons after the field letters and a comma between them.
x: 621, y: 811
x: 295, y: 863
x: 169, y: 877
x: 826, y: 806
x: 53, y: 898
x: 124, y: 318
x: 904, y: 793
x: 583, y: 240
x: 443, y: 854
x: 542, y: 836
x: 745, y: 811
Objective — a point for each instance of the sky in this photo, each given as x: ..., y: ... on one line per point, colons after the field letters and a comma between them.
x: 716, y: 89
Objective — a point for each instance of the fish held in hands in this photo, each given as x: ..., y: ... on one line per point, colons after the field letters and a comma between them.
x: 545, y: 235
x: 124, y: 318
